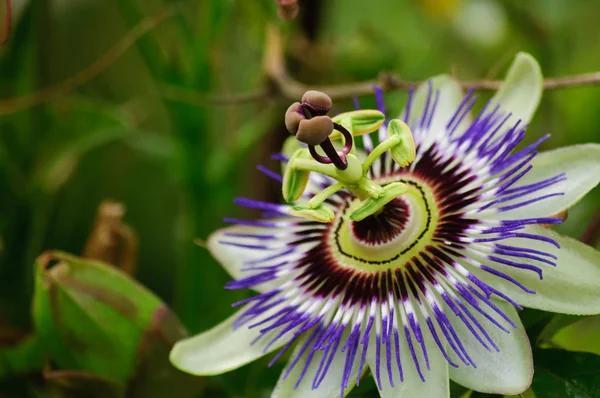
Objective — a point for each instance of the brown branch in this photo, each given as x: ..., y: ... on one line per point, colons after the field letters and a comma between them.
x: 552, y: 83
x: 292, y: 89
x: 281, y: 84
x: 284, y: 86
x: 288, y: 87
x: 591, y: 236
x: 14, y: 104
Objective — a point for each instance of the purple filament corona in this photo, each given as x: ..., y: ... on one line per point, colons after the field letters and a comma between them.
x: 339, y: 316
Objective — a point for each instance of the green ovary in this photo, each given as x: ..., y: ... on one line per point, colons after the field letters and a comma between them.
x: 417, y: 232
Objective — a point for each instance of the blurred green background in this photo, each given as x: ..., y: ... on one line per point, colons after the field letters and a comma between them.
x: 122, y: 100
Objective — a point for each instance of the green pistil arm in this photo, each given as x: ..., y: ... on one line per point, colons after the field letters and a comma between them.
x: 313, y: 165
x: 372, y: 205
x: 371, y: 188
x: 379, y: 150
x: 400, y: 143
x: 319, y: 198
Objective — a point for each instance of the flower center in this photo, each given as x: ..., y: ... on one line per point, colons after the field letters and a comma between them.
x: 383, y: 227
x: 388, y: 239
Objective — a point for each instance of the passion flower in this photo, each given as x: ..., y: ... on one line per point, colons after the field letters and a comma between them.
x: 426, y: 287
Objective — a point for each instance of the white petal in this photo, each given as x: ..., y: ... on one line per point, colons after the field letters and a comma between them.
x: 330, y: 387
x: 450, y: 98
x: 436, y: 382
x: 509, y: 371
x: 234, y: 258
x: 572, y: 287
x: 220, y: 349
x: 580, y: 163
x: 522, y: 89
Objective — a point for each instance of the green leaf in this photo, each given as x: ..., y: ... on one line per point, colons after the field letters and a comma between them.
x: 457, y: 391
x: 54, y: 172
x: 555, y: 325
x: 231, y: 150
x: 155, y: 377
x: 580, y: 334
x: 251, y: 133
x: 76, y: 383
x: 563, y: 374
x: 105, y: 328
x: 156, y: 147
x: 90, y: 316
x: 27, y: 356
x: 82, y: 125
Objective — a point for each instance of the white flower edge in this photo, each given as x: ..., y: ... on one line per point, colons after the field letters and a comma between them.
x: 521, y: 91
x: 329, y: 387
x: 509, y: 371
x: 581, y: 166
x: 450, y: 97
x: 233, y: 258
x: 571, y: 287
x: 220, y: 349
x: 437, y: 382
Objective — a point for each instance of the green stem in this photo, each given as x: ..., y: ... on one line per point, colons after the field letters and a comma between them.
x: 40, y: 206
x: 147, y: 46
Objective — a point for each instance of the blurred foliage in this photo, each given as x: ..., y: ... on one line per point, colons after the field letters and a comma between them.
x: 142, y: 130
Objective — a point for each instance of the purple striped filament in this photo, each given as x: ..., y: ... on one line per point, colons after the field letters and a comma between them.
x: 386, y: 285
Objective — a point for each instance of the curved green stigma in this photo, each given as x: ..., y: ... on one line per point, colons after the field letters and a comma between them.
x: 371, y: 195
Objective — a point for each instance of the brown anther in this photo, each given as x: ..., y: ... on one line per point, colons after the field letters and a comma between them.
x: 293, y: 118
x: 317, y: 101
x: 315, y: 131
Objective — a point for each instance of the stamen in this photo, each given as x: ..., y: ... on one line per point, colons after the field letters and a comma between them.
x: 459, y: 109
x: 425, y: 115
